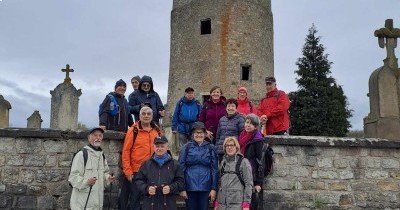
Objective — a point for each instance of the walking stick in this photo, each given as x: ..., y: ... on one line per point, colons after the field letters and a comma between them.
x: 87, y: 199
x: 109, y: 197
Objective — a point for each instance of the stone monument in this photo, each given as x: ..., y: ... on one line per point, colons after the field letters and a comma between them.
x: 225, y: 43
x: 5, y: 107
x: 35, y: 120
x: 383, y: 121
x: 64, y: 104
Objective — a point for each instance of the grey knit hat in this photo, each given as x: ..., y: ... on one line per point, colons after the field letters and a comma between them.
x: 253, y: 119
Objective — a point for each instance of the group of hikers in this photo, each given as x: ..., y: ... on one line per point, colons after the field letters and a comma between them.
x: 220, y: 145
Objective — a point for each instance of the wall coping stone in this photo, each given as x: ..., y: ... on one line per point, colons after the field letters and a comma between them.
x: 55, y: 134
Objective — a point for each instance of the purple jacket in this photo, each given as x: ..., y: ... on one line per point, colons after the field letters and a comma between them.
x: 211, y: 113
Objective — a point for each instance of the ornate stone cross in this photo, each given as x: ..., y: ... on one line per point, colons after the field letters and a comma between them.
x: 67, y: 79
x: 387, y: 36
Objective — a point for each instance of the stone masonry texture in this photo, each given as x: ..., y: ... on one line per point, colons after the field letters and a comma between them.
x: 309, y: 172
x: 241, y: 34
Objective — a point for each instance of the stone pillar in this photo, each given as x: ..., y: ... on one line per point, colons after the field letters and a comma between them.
x: 64, y: 104
x: 383, y: 121
x: 5, y: 106
x: 35, y: 120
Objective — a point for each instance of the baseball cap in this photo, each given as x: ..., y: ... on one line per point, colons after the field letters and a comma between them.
x: 270, y: 79
x: 96, y: 129
x: 160, y: 140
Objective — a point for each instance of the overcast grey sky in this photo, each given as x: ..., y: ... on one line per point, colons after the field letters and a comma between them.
x: 104, y: 41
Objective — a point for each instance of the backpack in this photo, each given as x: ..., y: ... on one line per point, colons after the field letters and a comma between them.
x: 265, y: 164
x: 237, y: 170
x: 114, y: 106
x: 85, y: 158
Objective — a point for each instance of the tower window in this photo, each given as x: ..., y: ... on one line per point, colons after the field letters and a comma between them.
x: 246, y: 69
x: 206, y: 26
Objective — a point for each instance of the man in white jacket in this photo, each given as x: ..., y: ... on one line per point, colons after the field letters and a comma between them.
x: 89, y: 174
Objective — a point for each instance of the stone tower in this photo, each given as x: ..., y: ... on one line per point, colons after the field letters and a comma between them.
x: 383, y: 121
x: 64, y: 104
x: 228, y: 43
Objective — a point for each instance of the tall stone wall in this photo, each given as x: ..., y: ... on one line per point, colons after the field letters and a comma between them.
x: 241, y: 35
x: 310, y: 172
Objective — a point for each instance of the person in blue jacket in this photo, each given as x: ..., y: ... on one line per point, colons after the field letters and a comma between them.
x: 146, y: 96
x: 187, y: 111
x: 198, y: 161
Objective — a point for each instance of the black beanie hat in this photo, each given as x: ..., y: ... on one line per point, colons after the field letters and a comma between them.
x: 120, y: 83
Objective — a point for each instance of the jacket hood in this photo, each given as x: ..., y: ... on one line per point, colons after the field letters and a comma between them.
x: 148, y: 79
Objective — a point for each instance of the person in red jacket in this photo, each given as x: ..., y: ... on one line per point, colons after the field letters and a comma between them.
x: 245, y: 106
x: 273, y: 109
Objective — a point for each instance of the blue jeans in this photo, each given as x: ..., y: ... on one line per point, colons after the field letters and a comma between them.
x: 197, y: 200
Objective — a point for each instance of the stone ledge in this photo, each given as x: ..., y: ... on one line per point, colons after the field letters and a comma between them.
x: 55, y: 134
x: 322, y: 141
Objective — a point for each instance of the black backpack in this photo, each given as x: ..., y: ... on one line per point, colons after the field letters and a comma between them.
x: 85, y: 158
x: 237, y: 169
x: 266, y: 162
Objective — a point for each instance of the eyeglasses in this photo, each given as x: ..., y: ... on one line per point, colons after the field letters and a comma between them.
x: 146, y: 113
x: 229, y: 145
x: 145, y: 85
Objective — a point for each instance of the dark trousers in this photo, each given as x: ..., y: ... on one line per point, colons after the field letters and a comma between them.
x: 197, y: 200
x: 129, y: 197
x: 257, y: 201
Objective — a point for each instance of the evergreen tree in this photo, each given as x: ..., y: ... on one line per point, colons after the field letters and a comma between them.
x: 319, y: 106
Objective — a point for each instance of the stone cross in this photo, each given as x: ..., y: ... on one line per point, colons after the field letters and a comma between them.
x: 387, y: 37
x: 67, y: 79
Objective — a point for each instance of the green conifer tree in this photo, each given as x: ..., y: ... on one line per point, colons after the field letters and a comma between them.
x: 319, y: 106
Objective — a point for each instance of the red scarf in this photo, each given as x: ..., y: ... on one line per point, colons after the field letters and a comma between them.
x: 243, y: 139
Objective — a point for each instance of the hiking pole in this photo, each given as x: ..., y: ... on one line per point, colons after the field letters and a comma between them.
x: 109, y: 197
x: 165, y: 197
x: 87, y: 199
x: 152, y: 197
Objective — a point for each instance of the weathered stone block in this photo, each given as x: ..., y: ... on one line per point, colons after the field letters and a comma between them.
x: 51, y: 175
x: 36, y: 189
x: 35, y: 160
x: 47, y: 202
x: 340, y: 163
x: 372, y: 174
x: 2, y: 160
x: 16, y: 189
x: 5, y: 201
x: 290, y: 160
x: 65, y: 160
x: 346, y: 174
x: 328, y: 198
x: 390, y: 163
x: 285, y: 185
x: 342, y: 152
x: 338, y: 186
x: 2, y: 188
x: 58, y: 189
x: 299, y: 171
x: 308, y: 161
x: 280, y: 171
x: 10, y: 175
x: 27, y: 176
x: 380, y: 153
x: 116, y: 146
x: 346, y: 199
x: 312, y: 151
x: 324, y: 175
x: 113, y: 159
x: 25, y: 146
x: 15, y: 160
x: 363, y: 186
x: 26, y: 202
x: 395, y: 174
x: 7, y: 145
x: 51, y: 160
x: 52, y: 146
x: 311, y: 185
x: 388, y: 186
x: 324, y: 162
